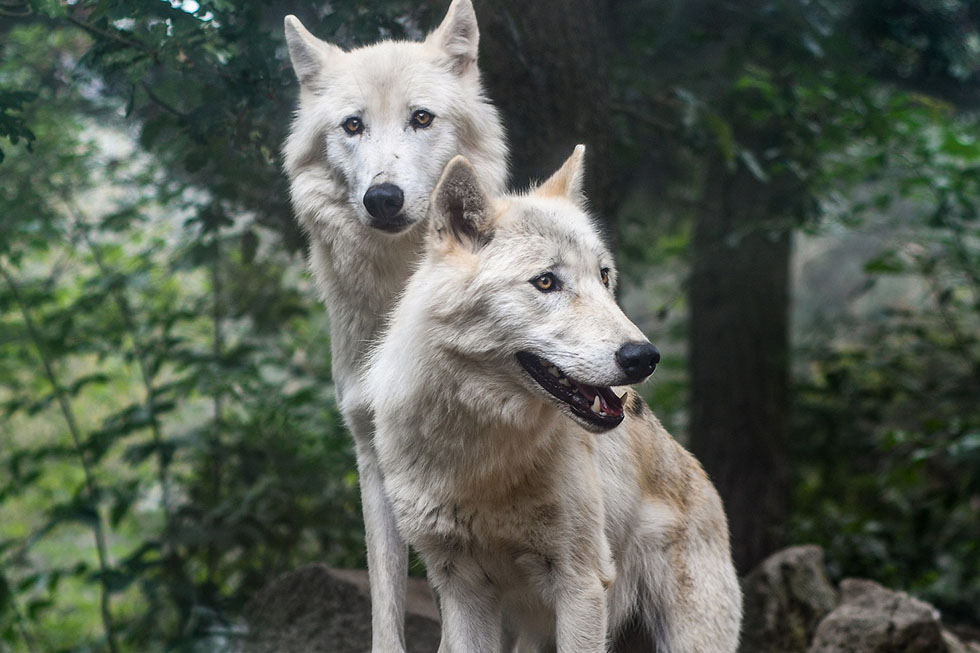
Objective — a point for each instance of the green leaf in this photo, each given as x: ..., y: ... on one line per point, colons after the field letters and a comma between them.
x: 78, y: 510
x: 722, y: 136
x: 758, y: 79
x: 6, y: 593
x: 140, y: 451
x: 37, y: 606
x: 96, y: 377
x: 114, y: 580
x: 966, y: 146
x: 887, y: 262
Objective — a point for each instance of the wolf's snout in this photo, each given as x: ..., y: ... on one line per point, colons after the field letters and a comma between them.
x: 384, y: 201
x: 638, y: 360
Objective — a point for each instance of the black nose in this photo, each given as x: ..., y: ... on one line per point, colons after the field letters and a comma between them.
x: 384, y: 201
x: 638, y: 360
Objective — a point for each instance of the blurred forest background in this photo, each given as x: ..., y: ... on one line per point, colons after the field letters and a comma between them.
x: 792, y: 187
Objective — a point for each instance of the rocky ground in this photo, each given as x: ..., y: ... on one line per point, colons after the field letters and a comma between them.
x: 790, y: 607
x: 316, y: 609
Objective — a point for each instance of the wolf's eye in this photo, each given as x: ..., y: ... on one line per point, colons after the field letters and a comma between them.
x: 546, y: 282
x: 422, y: 119
x: 604, y: 272
x: 353, y: 126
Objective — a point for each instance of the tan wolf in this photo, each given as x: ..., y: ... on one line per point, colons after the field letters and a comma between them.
x: 550, y: 506
x: 374, y: 128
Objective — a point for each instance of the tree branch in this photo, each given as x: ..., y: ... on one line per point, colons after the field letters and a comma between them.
x: 90, y: 484
x: 163, y: 104
x: 217, y: 316
x: 112, y: 36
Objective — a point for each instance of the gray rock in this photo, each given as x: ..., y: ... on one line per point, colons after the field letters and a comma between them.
x: 785, y: 597
x: 318, y: 610
x: 874, y: 619
x: 956, y: 645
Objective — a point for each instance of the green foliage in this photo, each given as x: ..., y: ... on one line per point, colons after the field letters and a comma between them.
x: 934, y: 44
x: 889, y: 479
x: 12, y: 124
x: 887, y: 411
x: 164, y: 381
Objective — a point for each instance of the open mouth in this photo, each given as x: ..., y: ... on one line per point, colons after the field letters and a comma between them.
x: 598, y: 406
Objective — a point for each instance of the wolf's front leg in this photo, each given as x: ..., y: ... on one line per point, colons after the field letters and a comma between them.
x: 470, y: 610
x: 387, y: 553
x: 691, y: 596
x: 581, y: 616
x: 470, y: 622
x: 706, y: 617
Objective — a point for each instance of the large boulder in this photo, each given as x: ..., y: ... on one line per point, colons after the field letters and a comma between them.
x: 874, y: 619
x: 315, y: 609
x: 785, y: 597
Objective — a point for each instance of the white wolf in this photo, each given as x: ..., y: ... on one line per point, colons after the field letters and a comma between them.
x: 374, y: 129
x: 544, y: 502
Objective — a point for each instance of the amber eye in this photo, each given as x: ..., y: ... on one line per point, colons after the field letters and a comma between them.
x: 604, y: 272
x: 422, y: 119
x: 353, y: 126
x: 546, y: 282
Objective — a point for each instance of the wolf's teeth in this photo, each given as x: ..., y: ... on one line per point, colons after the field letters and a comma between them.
x: 554, y: 371
x: 623, y: 396
x: 565, y: 382
x: 596, y: 404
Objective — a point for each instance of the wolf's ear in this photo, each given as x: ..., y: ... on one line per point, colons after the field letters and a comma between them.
x: 308, y: 53
x: 458, y: 35
x: 460, y: 207
x: 568, y: 180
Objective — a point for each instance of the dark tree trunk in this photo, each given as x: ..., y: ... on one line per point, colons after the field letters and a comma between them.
x: 546, y: 66
x: 739, y: 355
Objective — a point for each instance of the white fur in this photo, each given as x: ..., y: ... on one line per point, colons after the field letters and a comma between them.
x: 536, y: 533
x: 360, y: 270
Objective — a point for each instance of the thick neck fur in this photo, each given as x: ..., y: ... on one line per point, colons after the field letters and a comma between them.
x: 359, y: 272
x: 458, y: 418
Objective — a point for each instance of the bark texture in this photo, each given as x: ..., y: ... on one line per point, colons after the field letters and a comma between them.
x: 546, y: 66
x: 739, y: 353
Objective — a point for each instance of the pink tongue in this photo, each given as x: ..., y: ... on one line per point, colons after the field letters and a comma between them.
x: 610, y: 403
x: 586, y: 391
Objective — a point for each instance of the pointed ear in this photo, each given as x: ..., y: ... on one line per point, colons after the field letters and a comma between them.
x: 460, y: 208
x: 308, y: 53
x: 568, y: 180
x: 458, y: 35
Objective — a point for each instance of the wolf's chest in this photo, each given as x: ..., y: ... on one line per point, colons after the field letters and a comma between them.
x: 427, y: 517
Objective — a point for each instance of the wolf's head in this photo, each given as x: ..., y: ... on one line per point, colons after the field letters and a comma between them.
x: 384, y: 119
x: 523, y: 287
